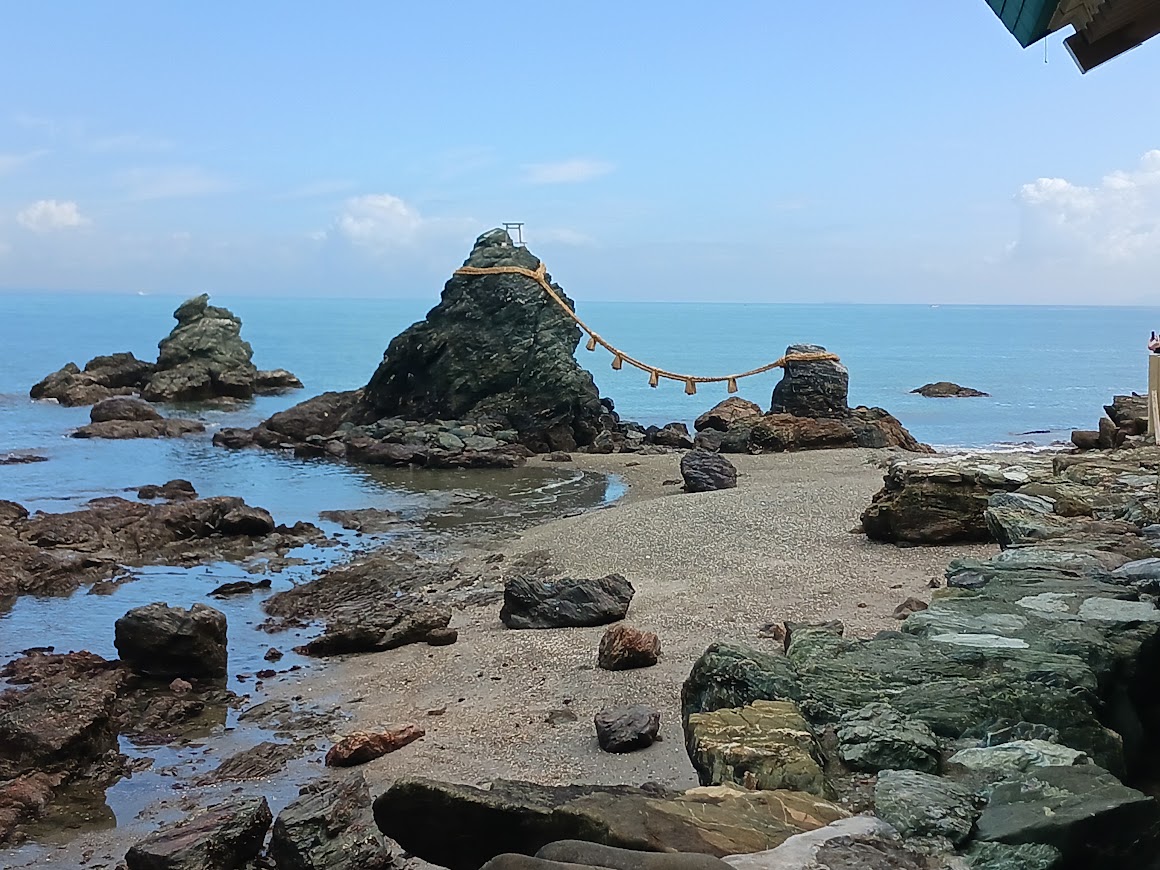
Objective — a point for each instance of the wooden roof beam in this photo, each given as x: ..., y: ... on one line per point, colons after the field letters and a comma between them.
x: 1090, y: 54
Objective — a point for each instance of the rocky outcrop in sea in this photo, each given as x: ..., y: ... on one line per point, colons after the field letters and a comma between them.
x: 1126, y: 425
x: 203, y: 358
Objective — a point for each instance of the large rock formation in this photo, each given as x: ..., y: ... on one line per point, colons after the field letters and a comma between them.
x: 204, y: 357
x: 496, y: 346
x: 1126, y: 425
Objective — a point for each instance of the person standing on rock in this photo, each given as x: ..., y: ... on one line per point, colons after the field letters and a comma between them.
x: 1154, y: 344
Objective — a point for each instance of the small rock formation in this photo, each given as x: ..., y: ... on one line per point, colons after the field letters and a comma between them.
x: 623, y: 648
x: 126, y: 417
x: 536, y: 602
x: 948, y: 390
x: 363, y: 746
x: 223, y: 837
x: 810, y: 411
x: 1126, y: 425
x: 520, y: 817
x: 172, y: 490
x: 764, y: 745
x: 329, y: 827
x: 377, y: 626
x: 705, y: 471
x: 204, y: 357
x: 625, y: 728
x: 162, y: 641
x: 724, y: 414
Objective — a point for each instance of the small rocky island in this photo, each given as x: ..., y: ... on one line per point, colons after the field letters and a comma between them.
x: 203, y: 358
x: 490, y: 377
x: 948, y: 390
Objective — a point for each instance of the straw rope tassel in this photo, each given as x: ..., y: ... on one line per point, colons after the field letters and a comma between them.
x: 619, y: 357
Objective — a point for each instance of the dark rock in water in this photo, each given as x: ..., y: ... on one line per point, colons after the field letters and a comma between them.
x: 599, y: 855
x: 224, y: 837
x: 363, y: 746
x: 275, y: 381
x: 370, y: 520
x: 102, y: 378
x: 519, y: 366
x: 121, y: 429
x: 533, y: 602
x: 704, y: 471
x: 123, y: 408
x: 329, y: 827
x: 321, y: 415
x: 520, y: 817
x: 204, y: 357
x: 1083, y: 811
x: 623, y: 729
x: 948, y: 390
x: 163, y: 641
x: 812, y: 389
x: 240, y: 587
x: 920, y: 805
x: 173, y: 490
x: 376, y: 627
x: 257, y: 762
x: 21, y: 458
x: 725, y: 414
x: 623, y: 648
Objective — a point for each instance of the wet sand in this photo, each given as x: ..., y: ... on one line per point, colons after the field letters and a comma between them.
x: 706, y: 567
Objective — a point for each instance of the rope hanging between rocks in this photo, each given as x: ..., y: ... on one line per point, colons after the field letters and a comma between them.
x: 619, y: 357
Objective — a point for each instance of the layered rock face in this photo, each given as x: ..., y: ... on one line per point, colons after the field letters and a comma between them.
x: 1126, y: 425
x: 519, y: 366
x: 810, y: 410
x: 204, y: 357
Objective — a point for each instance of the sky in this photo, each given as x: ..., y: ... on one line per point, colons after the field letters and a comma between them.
x: 897, y: 151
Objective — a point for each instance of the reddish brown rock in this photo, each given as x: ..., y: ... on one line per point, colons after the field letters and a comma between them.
x: 363, y: 746
x: 725, y: 414
x: 623, y: 648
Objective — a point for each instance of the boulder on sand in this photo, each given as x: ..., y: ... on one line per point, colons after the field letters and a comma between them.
x: 705, y: 471
x: 535, y: 602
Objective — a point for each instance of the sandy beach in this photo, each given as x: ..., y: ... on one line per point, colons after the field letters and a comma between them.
x: 706, y: 568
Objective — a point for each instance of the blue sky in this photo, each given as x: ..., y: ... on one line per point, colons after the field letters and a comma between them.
x: 898, y: 151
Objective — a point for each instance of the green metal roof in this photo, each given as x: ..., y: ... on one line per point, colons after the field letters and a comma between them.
x: 1027, y: 20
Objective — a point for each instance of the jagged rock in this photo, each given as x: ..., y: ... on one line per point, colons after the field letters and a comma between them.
x: 224, y: 837
x: 360, y: 747
x: 275, y: 381
x: 122, y: 408
x: 258, y: 762
x: 329, y: 827
x: 1085, y: 439
x: 1129, y: 412
x: 25, y: 798
x: 712, y: 440
x: 599, y: 855
x: 625, y: 728
x: 816, y: 389
x: 704, y: 471
x: 173, y: 490
x: 536, y: 602
x: 21, y: 458
x: 366, y: 627
x: 920, y: 805
x: 1083, y: 811
x: 163, y: 641
x: 878, y: 737
x: 943, y: 500
x: 857, y: 843
x: 674, y: 435
x: 1000, y: 856
x: 765, y: 745
x: 517, y: 817
x: 728, y: 676
x: 519, y: 368
x: 623, y: 648
x: 1018, y: 756
x: 948, y: 390
x: 102, y: 378
x: 1109, y: 435
x: 726, y: 414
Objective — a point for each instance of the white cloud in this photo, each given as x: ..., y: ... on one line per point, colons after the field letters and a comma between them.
x: 1116, y: 221
x: 170, y: 182
x: 47, y: 215
x: 378, y: 220
x: 567, y: 171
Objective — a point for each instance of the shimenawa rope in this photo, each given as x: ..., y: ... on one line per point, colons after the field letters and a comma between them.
x: 619, y: 357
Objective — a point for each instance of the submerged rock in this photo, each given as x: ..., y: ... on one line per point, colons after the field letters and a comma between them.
x: 948, y: 390
x: 536, y: 602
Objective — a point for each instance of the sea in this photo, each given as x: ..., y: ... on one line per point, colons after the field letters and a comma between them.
x: 1048, y: 370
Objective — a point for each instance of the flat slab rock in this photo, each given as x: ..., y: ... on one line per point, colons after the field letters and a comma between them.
x: 519, y: 817
x: 224, y: 837
x: 536, y: 602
